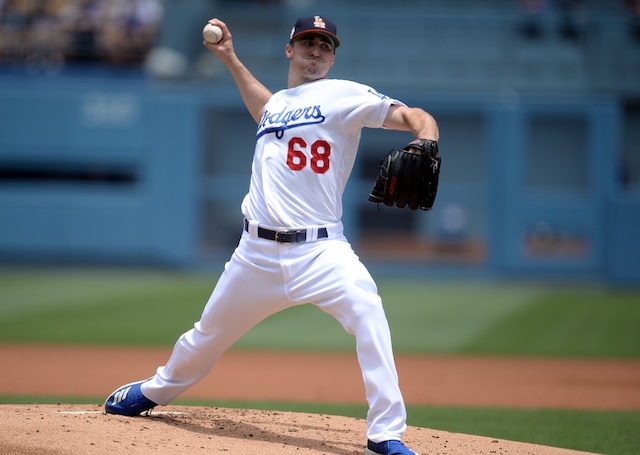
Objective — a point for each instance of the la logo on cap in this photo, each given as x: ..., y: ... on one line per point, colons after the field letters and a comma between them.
x: 318, y: 22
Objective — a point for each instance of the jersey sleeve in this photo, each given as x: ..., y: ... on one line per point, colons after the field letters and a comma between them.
x: 363, y: 107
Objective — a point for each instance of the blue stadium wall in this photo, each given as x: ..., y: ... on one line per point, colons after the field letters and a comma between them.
x: 151, y: 168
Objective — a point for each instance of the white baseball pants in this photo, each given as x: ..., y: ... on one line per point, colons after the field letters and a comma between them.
x: 264, y: 277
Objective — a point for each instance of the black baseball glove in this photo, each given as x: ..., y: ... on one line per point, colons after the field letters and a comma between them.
x: 409, y: 177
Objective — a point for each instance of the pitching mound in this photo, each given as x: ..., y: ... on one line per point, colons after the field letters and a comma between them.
x: 84, y: 429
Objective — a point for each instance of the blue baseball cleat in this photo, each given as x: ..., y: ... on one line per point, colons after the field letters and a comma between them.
x: 388, y: 448
x: 128, y: 400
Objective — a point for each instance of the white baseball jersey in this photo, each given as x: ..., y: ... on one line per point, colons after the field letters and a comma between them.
x: 306, y: 146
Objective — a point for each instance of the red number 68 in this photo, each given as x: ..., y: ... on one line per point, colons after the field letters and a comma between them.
x: 297, y: 159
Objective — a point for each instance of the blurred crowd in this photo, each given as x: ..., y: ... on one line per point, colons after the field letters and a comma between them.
x: 55, y: 32
x: 47, y: 34
x: 569, y: 26
x: 633, y: 9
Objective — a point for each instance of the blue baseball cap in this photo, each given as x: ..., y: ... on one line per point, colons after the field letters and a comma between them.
x: 315, y: 24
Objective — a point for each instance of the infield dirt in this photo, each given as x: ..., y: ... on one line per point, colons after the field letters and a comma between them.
x: 291, y: 376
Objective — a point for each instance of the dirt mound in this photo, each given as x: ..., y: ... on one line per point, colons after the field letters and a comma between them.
x: 84, y: 429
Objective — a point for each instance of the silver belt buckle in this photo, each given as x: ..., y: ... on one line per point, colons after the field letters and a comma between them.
x: 277, y: 237
x: 295, y: 233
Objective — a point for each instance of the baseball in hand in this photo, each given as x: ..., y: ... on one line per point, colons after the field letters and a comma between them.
x: 212, y: 33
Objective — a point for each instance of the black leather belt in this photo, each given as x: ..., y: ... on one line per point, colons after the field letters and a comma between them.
x: 286, y: 235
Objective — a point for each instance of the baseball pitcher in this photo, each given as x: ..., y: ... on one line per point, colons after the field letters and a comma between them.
x: 293, y: 250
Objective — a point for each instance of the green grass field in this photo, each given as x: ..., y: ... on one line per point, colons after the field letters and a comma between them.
x: 79, y: 306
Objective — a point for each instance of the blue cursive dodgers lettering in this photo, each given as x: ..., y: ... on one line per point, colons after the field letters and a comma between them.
x: 287, y: 118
